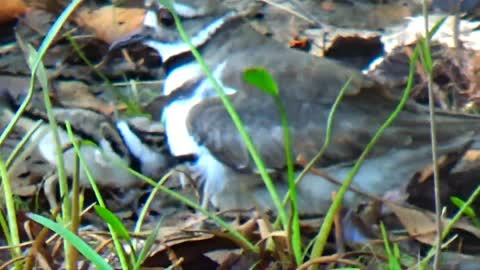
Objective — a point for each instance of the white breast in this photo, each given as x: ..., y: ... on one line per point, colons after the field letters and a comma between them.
x: 176, y: 113
x: 175, y: 116
x: 152, y: 163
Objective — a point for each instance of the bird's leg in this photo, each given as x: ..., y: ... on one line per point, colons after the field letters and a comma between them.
x: 50, y: 190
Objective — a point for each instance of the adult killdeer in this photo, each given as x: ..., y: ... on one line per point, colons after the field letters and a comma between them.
x: 197, y: 123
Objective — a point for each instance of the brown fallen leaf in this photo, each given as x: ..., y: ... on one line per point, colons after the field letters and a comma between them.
x: 11, y: 9
x: 420, y: 224
x: 77, y: 94
x: 427, y: 172
x: 111, y: 23
x: 472, y: 155
x: 299, y: 43
x: 191, y: 246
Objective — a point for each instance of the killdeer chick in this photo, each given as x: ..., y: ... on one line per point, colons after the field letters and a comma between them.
x: 115, y: 144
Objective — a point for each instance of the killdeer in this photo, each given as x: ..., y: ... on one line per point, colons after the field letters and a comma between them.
x: 119, y: 142
x: 196, y: 122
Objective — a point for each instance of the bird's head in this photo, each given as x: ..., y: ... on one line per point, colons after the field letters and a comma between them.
x: 200, y: 19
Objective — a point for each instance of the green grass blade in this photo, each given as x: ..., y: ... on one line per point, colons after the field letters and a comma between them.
x: 319, y: 245
x: 262, y: 79
x: 113, y: 221
x: 116, y: 241
x: 235, y: 118
x: 393, y: 263
x: 469, y: 212
x: 74, y: 240
x: 13, y: 233
x: 149, y: 242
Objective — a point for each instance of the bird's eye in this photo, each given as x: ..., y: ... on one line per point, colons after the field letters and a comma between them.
x: 165, y: 17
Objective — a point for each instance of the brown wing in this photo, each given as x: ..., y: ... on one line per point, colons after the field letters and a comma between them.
x: 308, y: 91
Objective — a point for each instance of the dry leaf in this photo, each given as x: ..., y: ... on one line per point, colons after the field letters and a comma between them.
x: 410, y: 32
x: 11, y: 9
x: 420, y: 224
x: 472, y: 155
x: 77, y: 94
x: 191, y: 246
x: 111, y: 23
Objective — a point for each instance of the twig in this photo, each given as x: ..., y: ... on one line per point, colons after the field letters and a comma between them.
x: 433, y: 135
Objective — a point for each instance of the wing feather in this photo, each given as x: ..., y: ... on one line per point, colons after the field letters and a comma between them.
x: 308, y: 97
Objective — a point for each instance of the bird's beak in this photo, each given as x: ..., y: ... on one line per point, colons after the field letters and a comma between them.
x: 137, y: 36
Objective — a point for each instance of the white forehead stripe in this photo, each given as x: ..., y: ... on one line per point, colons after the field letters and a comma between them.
x: 167, y: 50
x: 181, y: 75
x: 186, y: 11
x: 150, y: 20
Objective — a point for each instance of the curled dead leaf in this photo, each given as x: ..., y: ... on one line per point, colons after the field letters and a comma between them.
x: 11, y: 9
x: 111, y: 23
x: 420, y: 224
